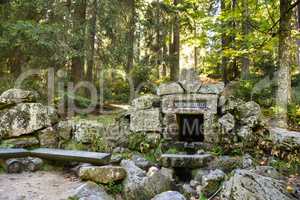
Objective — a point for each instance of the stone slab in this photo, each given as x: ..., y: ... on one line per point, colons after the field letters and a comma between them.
x: 184, y: 160
x: 13, y: 153
x: 69, y: 155
x: 169, y: 88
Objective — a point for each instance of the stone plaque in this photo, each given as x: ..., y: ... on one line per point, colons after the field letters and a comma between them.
x: 191, y: 104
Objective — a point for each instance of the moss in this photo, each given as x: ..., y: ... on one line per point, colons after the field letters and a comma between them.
x: 114, y: 188
x: 72, y: 145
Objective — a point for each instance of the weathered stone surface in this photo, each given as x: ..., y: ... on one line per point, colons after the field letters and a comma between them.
x: 217, y: 88
x: 141, y: 162
x: 85, y: 131
x: 169, y: 88
x: 284, y: 137
x: 156, y: 183
x: 212, y: 181
x: 227, y: 122
x: 145, y: 102
x: 231, y: 104
x: 246, y: 184
x: 225, y: 163
x: 199, y: 173
x: 244, y: 132
x: 191, y: 86
x: 90, y: 191
x: 26, y: 118
x: 15, y: 96
x: 48, y: 138
x: 145, y: 120
x: 247, y: 161
x: 190, y: 161
x: 102, y: 174
x: 249, y: 113
x: 20, y: 142
x: 138, y: 185
x: 133, y: 187
x: 169, y: 195
x: 64, y: 129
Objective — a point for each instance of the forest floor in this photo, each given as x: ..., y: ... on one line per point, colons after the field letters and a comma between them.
x: 41, y: 185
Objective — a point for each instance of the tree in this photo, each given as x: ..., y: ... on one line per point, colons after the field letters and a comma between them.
x: 175, y: 51
x: 284, y: 56
x: 245, y: 26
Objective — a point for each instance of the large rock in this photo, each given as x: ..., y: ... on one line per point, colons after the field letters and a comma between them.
x: 169, y: 195
x: 141, y: 162
x: 102, y: 174
x: 212, y: 181
x: 20, y: 142
x: 15, y: 96
x: 48, y: 138
x: 227, y: 122
x: 285, y: 137
x: 90, y: 191
x: 64, y: 129
x: 85, y: 131
x: 249, y: 113
x: 247, y: 184
x: 216, y: 88
x: 26, y: 118
x: 169, y: 88
x: 226, y: 163
x: 145, y: 120
x: 145, y: 102
x: 139, y: 185
x: 133, y: 187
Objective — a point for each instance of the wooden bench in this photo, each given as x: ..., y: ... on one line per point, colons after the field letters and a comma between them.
x: 57, y: 154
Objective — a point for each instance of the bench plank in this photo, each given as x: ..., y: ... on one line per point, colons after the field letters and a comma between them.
x: 13, y: 153
x: 70, y: 155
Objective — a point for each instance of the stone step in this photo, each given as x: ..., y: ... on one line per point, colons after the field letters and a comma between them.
x: 184, y: 160
x: 69, y: 155
x: 13, y: 153
x: 181, y: 146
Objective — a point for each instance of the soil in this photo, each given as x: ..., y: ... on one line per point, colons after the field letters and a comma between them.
x: 41, y: 185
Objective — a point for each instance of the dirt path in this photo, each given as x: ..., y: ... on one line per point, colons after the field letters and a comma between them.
x: 37, y: 186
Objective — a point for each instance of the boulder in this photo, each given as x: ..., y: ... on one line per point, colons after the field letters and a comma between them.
x: 20, y: 142
x: 102, y: 174
x: 26, y: 118
x: 48, y: 138
x: 230, y: 104
x: 156, y: 183
x: 244, y: 132
x: 169, y: 88
x: 145, y: 120
x: 15, y: 96
x: 138, y: 185
x: 284, y: 137
x: 225, y: 163
x: 141, y: 162
x: 169, y: 195
x: 64, y: 129
x: 85, y: 131
x: 247, y: 184
x: 249, y: 113
x: 216, y: 88
x: 145, y: 102
x: 227, y: 122
x: 212, y: 181
x: 90, y: 191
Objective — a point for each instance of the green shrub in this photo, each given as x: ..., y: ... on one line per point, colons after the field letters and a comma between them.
x: 114, y: 188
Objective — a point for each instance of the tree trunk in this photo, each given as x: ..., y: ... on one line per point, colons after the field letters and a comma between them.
x: 224, y: 41
x: 175, y: 67
x: 79, y: 18
x: 245, y: 26
x: 92, y: 34
x: 284, y: 54
x: 298, y: 40
x: 131, y: 36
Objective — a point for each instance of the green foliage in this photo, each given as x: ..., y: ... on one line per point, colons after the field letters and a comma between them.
x: 217, y: 150
x: 202, y: 197
x: 114, y: 188
x: 294, y: 115
x: 172, y: 151
x: 289, y: 167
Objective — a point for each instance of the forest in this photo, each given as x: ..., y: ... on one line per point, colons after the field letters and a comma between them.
x: 252, y: 45
x: 150, y: 99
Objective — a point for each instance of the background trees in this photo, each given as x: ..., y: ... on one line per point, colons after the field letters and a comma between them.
x: 241, y: 42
